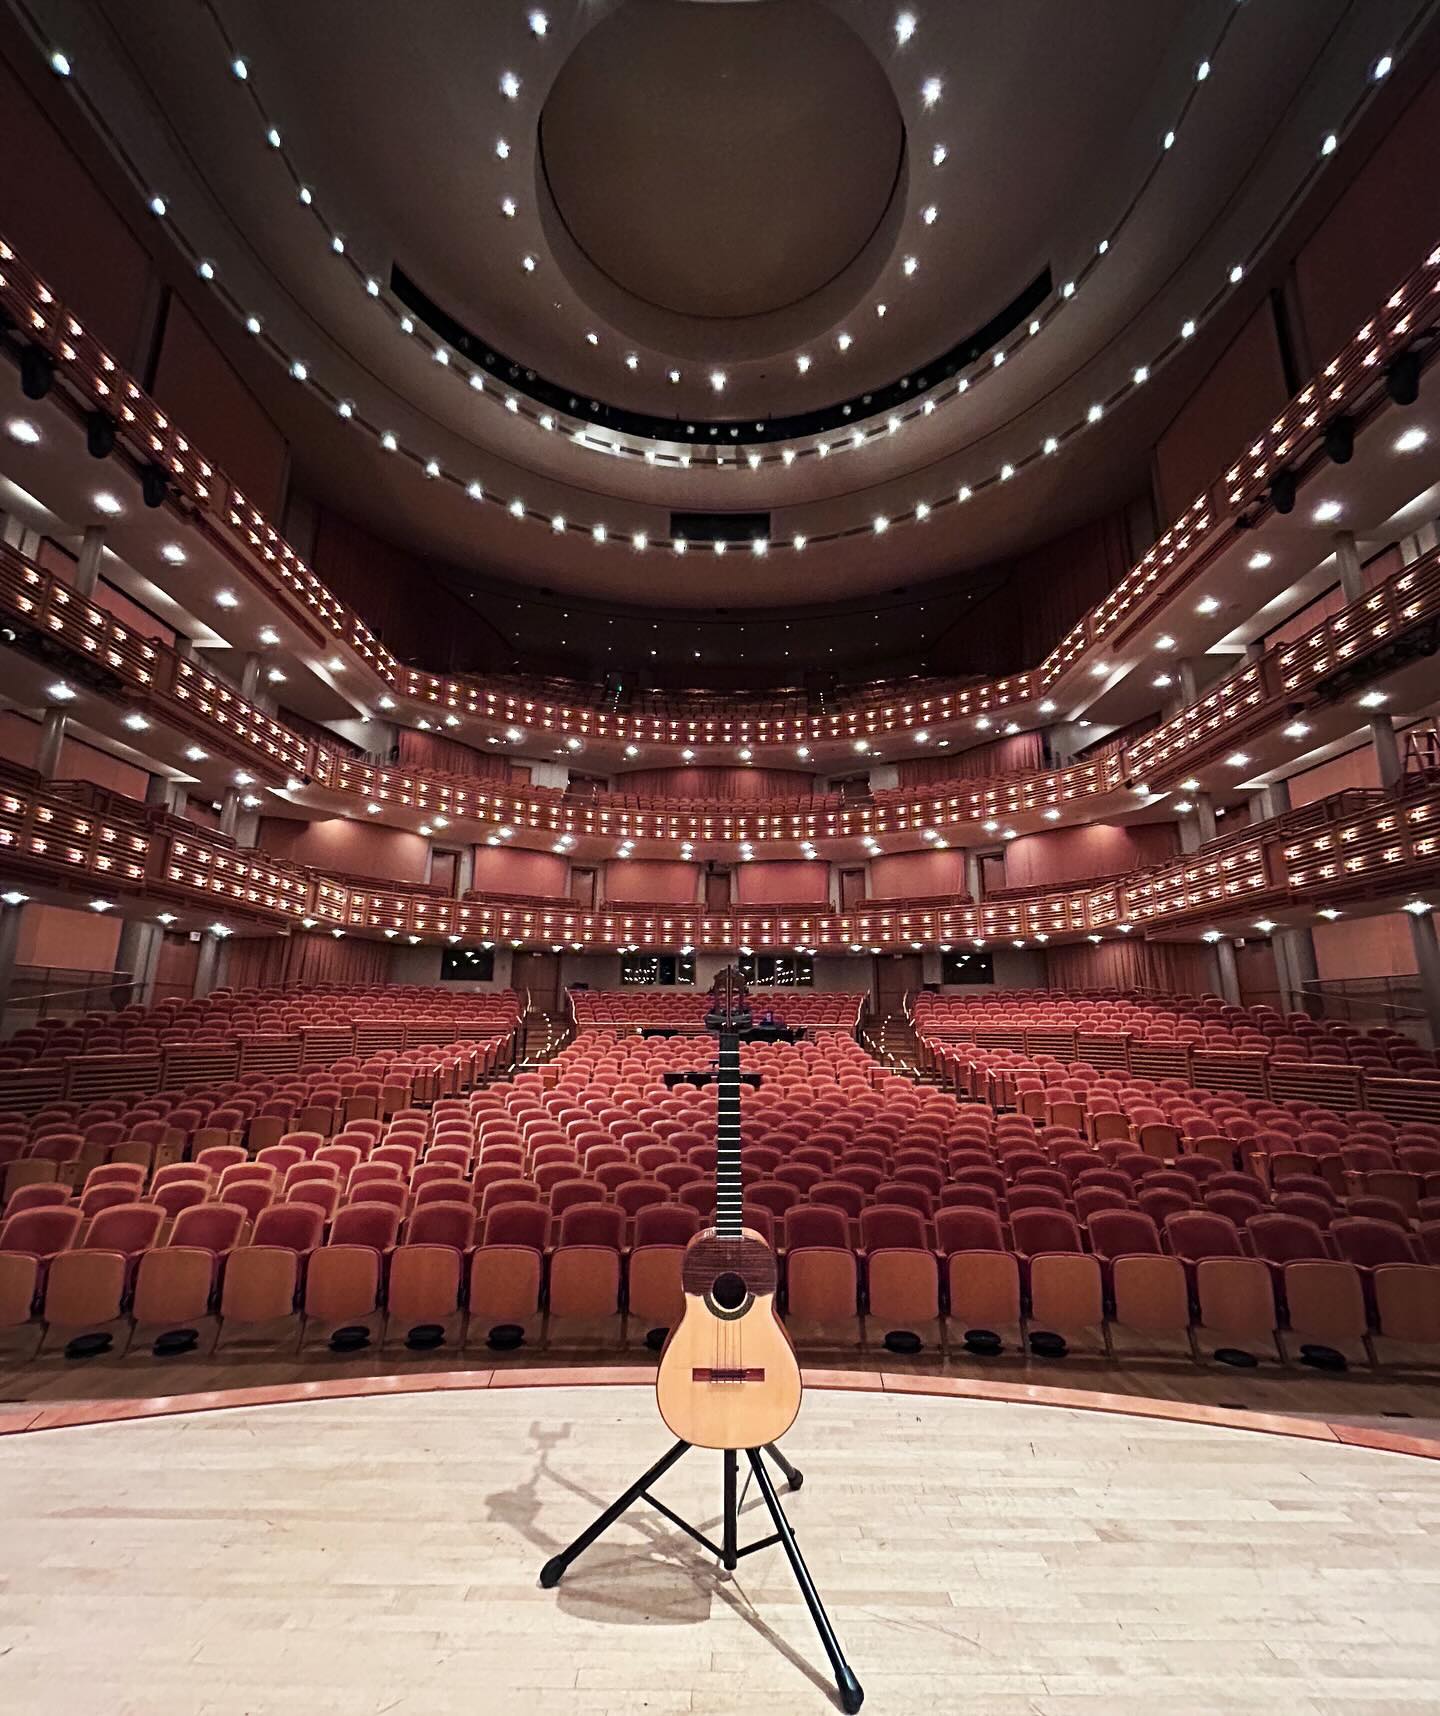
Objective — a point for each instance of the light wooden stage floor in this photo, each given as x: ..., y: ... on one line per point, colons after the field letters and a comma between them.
x: 379, y: 1555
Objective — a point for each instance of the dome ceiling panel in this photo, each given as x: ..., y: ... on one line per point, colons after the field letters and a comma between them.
x: 1049, y: 118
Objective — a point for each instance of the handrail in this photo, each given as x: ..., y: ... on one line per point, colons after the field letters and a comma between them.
x: 1290, y: 676
x: 1349, y: 845
x: 1292, y: 441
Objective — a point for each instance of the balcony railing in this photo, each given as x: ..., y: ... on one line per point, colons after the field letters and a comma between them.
x: 1350, y: 846
x: 1350, y: 383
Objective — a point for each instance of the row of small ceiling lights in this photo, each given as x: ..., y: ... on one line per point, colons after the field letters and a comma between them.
x: 1267, y: 926
x: 599, y: 532
x: 931, y: 91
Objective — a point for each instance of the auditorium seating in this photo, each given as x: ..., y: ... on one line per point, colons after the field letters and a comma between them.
x: 561, y: 1197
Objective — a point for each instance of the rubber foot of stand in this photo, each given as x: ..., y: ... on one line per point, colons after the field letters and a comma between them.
x: 852, y: 1693
x: 550, y: 1575
x: 797, y: 1480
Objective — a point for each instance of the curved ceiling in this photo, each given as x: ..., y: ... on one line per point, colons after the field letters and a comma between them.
x: 705, y: 210
x: 717, y: 162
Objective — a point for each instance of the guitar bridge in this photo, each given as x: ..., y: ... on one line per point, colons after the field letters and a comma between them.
x: 720, y: 1375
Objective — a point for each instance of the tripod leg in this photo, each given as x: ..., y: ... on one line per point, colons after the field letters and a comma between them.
x: 793, y: 1475
x: 731, y: 1557
x: 852, y: 1694
x: 554, y: 1569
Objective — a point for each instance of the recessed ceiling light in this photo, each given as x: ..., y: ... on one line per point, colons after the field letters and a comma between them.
x: 1187, y: 330
x: 1168, y: 141
x: 1161, y: 681
x: 22, y: 429
x: 930, y: 214
x: 136, y: 722
x: 509, y: 85
x: 1329, y: 912
x: 1417, y: 908
x: 938, y: 155
x: 904, y: 27
x: 1383, y: 67
x: 106, y: 503
x: 1141, y: 376
x: 1296, y: 730
x: 880, y: 524
x: 931, y: 91
x: 1258, y: 562
x: 674, y: 375
x: 1330, y: 145
x: 158, y: 206
x: 502, y: 148
x: 1237, y: 760
x: 1208, y: 605
x: 909, y: 265
x: 1327, y: 511
x: 1411, y: 441
x: 109, y: 906
x: 300, y: 370
x: 717, y: 380
x: 1373, y: 700
x: 1095, y: 413
x: 226, y: 599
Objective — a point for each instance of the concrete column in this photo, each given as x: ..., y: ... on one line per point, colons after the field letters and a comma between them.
x: 1229, y: 976
x: 974, y: 872
x: 1347, y: 561
x: 250, y: 675
x: 1387, y: 751
x: 1189, y: 682
x: 229, y: 810
x: 87, y: 569
x: 465, y: 871
x: 1424, y: 940
x: 52, y: 736
x: 9, y: 944
x: 207, y: 966
x: 138, y: 953
x: 1204, y: 816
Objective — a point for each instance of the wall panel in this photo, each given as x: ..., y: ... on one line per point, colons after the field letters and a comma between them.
x: 194, y: 381
x: 506, y: 870
x: 781, y: 883
x: 349, y: 848
x: 918, y: 876
x: 1241, y: 393
x: 1089, y: 849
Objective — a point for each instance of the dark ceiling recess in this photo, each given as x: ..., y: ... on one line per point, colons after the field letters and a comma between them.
x: 720, y: 526
x: 847, y: 412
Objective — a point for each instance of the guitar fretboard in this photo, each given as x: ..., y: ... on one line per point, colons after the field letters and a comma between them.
x: 727, y: 1139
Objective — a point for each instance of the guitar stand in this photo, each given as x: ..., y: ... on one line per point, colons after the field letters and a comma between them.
x: 729, y: 1550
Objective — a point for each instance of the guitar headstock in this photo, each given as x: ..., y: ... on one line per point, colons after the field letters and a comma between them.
x: 729, y: 1008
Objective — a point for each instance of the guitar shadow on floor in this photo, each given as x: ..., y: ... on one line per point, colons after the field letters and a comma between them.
x: 665, y: 1580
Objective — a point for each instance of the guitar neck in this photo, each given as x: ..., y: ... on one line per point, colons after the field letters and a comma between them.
x: 727, y: 1139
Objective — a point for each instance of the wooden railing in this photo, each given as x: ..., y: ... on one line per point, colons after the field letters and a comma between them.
x: 1350, y: 383
x: 1351, y: 845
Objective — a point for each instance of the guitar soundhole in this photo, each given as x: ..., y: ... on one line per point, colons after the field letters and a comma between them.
x: 729, y: 1291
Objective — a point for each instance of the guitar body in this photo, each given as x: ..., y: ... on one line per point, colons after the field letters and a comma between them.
x: 728, y: 1376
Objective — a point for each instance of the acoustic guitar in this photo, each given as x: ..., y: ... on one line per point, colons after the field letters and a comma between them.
x: 728, y: 1376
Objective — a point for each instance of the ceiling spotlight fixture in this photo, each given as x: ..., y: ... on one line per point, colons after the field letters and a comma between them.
x: 717, y: 380
x: 1373, y: 700
x: 938, y: 155
x: 1141, y: 376
x: 195, y: 754
x: 1411, y: 441
x: 930, y: 214
x: 109, y: 906
x: 1327, y: 512
x: 22, y: 430
x: 1208, y: 605
x: 1237, y: 760
x: 1383, y: 67
x: 106, y: 503
x: 509, y: 85
x: 1211, y: 936
x: 931, y: 91
x: 1417, y: 908
x: 1296, y: 730
x: 880, y: 524
x: 1187, y: 330
x: 60, y: 692
x: 1095, y: 413
x: 136, y: 722
x: 844, y: 342
x: 904, y: 27
x: 1237, y: 274
x: 1047, y: 707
